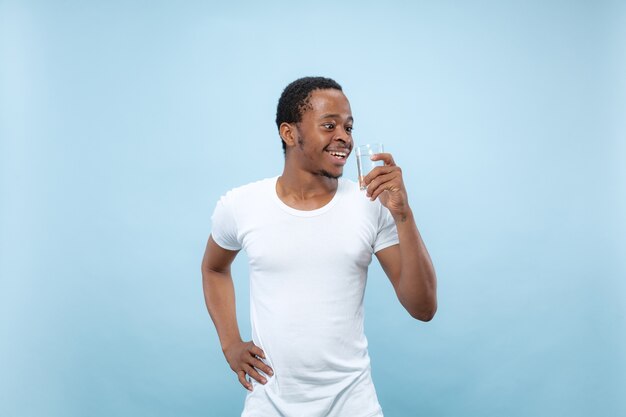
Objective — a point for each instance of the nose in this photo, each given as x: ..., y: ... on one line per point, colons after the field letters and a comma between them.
x: 344, y: 136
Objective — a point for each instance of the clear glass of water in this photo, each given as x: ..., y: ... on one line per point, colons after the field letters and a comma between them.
x: 364, y: 163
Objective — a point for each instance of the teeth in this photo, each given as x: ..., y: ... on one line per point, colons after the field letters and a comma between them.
x: 339, y: 154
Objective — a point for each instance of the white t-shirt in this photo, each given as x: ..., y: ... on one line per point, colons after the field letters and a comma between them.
x: 308, y: 271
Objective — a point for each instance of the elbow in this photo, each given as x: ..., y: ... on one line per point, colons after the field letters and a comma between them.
x: 424, y: 316
x: 419, y: 300
x: 425, y: 313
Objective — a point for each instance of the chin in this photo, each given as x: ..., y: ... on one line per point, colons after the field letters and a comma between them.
x: 327, y: 174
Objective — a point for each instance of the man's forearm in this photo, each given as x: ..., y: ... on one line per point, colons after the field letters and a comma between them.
x: 417, y: 288
x: 219, y: 296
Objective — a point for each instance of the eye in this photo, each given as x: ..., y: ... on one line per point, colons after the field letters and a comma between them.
x: 349, y: 129
x: 329, y: 126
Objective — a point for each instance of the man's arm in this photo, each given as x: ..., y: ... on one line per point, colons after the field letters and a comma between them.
x: 407, y: 264
x: 219, y: 295
x: 411, y: 271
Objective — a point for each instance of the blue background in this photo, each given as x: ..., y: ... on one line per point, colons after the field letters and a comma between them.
x: 121, y: 123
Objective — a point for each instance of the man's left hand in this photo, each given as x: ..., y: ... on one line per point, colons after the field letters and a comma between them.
x: 386, y: 182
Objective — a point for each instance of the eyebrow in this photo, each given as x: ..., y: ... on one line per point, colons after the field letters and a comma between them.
x: 334, y: 115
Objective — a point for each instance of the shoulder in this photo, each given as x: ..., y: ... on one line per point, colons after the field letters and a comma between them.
x: 347, y: 185
x: 245, y: 193
x: 356, y: 198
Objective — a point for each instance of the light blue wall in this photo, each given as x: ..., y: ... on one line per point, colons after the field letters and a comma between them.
x: 121, y: 125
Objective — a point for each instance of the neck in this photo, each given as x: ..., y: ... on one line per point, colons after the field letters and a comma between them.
x: 302, y: 185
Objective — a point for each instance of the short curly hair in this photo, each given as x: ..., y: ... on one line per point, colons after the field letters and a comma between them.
x: 294, y: 100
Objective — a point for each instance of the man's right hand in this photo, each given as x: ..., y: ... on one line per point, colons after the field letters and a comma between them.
x: 244, y: 359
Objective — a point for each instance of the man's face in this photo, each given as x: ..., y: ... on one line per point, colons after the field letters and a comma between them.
x: 324, y: 136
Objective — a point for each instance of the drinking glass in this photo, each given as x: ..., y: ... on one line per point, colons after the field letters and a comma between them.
x: 364, y: 162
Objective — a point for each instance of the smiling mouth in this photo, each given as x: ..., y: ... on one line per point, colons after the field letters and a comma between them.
x: 338, y: 154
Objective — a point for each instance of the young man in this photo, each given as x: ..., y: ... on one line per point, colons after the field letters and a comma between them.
x: 310, y: 236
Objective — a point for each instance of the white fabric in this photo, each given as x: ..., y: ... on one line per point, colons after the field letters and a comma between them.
x: 308, y: 271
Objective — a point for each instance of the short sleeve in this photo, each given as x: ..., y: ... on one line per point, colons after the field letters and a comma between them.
x: 224, y: 225
x: 387, y: 234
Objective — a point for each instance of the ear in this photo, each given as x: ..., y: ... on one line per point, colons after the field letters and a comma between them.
x: 288, y: 134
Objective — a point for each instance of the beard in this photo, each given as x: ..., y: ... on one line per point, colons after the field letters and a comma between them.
x: 327, y: 174
x: 323, y: 172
